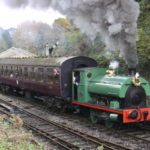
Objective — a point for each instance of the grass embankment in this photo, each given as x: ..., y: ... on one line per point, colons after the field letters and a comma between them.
x: 13, y: 137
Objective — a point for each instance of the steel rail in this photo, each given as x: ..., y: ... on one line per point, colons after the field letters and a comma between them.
x: 97, y: 141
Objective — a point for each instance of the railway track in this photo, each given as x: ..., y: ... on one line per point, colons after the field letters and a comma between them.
x: 63, y: 136
x: 136, y: 139
x: 141, y: 133
x: 141, y: 136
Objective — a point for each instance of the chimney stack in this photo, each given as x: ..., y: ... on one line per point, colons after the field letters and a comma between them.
x: 132, y: 71
x: 47, y: 50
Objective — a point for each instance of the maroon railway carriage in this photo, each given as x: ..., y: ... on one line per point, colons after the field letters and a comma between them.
x: 50, y: 76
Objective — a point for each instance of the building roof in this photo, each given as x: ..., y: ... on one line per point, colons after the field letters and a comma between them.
x: 16, y: 53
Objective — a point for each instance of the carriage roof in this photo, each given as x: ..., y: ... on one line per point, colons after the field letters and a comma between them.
x: 47, y: 61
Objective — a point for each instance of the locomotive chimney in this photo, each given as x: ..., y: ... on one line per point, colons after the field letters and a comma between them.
x: 46, y: 50
x: 132, y: 71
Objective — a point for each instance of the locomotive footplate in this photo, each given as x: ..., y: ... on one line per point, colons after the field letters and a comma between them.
x: 96, y: 106
x: 129, y: 115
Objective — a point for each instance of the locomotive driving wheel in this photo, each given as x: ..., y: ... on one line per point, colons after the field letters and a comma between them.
x: 93, y: 117
x: 109, y: 124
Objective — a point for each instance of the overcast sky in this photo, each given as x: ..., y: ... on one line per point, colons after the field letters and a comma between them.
x: 12, y: 17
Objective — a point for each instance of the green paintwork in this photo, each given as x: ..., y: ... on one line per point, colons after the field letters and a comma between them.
x: 113, y: 117
x: 114, y: 105
x: 147, y: 103
x: 115, y: 86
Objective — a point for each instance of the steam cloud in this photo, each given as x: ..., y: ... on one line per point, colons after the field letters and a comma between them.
x: 114, y: 64
x: 114, y: 20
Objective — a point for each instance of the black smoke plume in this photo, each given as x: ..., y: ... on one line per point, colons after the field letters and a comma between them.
x: 114, y: 20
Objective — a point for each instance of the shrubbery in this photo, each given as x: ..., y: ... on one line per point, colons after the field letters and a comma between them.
x: 13, y: 137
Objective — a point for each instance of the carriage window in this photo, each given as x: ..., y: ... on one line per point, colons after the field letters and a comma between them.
x: 40, y: 74
x: 25, y: 72
x: 32, y: 74
x: 6, y: 71
x: 2, y: 70
x: 50, y: 76
x: 11, y: 72
x: 20, y: 72
x: 56, y: 74
x: 17, y: 73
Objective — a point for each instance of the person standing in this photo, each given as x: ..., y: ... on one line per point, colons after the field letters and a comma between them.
x: 76, y: 82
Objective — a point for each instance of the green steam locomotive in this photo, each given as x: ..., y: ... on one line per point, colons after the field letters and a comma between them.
x: 110, y: 97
